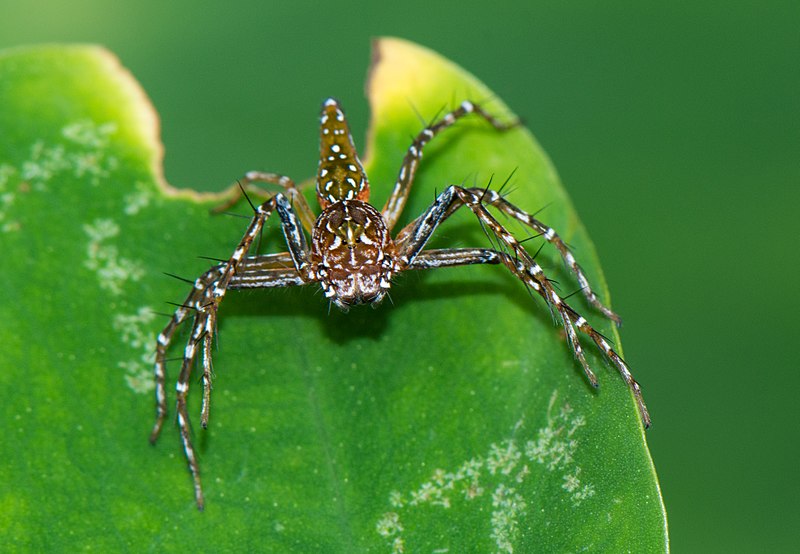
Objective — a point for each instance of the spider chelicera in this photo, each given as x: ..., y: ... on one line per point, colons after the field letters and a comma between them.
x: 353, y: 256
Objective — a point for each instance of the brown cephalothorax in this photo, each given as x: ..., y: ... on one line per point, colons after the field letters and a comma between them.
x: 353, y: 256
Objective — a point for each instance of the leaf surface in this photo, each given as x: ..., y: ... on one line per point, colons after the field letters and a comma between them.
x: 451, y: 418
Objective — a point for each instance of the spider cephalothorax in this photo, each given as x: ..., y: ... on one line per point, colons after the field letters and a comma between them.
x: 353, y: 256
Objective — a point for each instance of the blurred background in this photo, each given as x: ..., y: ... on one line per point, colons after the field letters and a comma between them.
x: 675, y: 128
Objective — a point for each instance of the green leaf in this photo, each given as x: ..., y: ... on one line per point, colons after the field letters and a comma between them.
x: 451, y: 418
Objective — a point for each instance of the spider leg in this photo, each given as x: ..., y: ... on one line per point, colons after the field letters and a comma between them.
x: 191, y: 305
x: 205, y: 298
x: 494, y: 198
x: 452, y: 257
x: 205, y: 316
x: 203, y: 330
x: 247, y: 184
x: 616, y: 359
x: 397, y: 199
x: 521, y: 264
x: 266, y: 271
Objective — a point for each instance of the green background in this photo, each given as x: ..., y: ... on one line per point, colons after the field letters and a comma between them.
x: 675, y: 129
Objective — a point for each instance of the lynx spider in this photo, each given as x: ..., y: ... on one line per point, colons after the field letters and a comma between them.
x: 354, y: 258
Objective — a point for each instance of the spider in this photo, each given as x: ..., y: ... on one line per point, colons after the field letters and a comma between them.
x: 353, y: 256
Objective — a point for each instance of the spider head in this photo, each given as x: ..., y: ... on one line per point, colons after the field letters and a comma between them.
x: 353, y: 253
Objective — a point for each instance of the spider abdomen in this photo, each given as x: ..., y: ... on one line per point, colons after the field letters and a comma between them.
x: 353, y: 252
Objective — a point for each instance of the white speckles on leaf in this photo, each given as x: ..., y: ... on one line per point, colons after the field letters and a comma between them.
x: 398, y: 545
x: 389, y: 525
x: 503, y: 458
x: 93, y: 165
x: 104, y: 259
x: 101, y: 229
x: 139, y: 380
x: 92, y: 161
x: 136, y: 333
x: 134, y: 328
x: 509, y: 505
x: 504, y: 470
x: 87, y: 133
x: 554, y: 446
x: 7, y: 198
x: 43, y: 164
x: 138, y: 199
x: 6, y: 171
x: 396, y: 499
x: 578, y: 492
x: 83, y: 155
x: 555, y: 449
x: 571, y: 483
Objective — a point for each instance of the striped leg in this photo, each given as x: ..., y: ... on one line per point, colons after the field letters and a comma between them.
x: 397, y: 200
x: 191, y: 305
x: 266, y: 271
x: 617, y: 360
x: 426, y: 225
x: 521, y: 264
x: 247, y: 184
x: 452, y: 257
x: 205, y: 319
x: 494, y: 198
x: 204, y: 300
